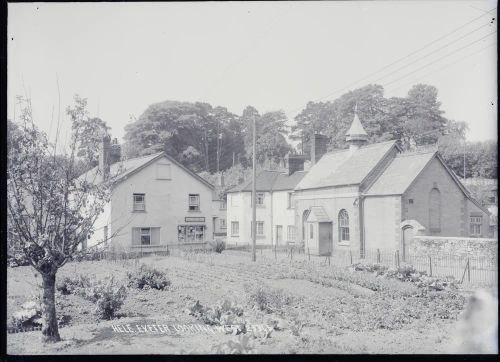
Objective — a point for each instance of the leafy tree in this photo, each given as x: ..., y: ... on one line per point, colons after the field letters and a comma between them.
x: 13, y: 133
x: 92, y: 131
x: 424, y: 123
x: 50, y: 210
x: 270, y: 134
x: 404, y: 119
x: 195, y: 134
x: 480, y: 157
x: 334, y: 118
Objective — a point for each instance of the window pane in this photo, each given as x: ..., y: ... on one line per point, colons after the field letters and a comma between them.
x: 145, y: 236
x: 260, y: 228
x: 235, y: 228
x: 194, y: 202
x: 139, y: 202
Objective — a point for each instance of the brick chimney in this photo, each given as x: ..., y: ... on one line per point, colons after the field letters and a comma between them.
x: 294, y: 163
x: 104, y: 156
x: 319, y: 144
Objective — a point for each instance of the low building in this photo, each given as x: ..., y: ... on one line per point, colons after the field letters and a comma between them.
x: 155, y: 201
x: 219, y: 211
x: 374, y: 196
x: 274, y: 207
x: 486, y: 192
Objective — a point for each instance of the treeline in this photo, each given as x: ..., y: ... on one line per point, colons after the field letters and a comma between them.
x: 211, y: 139
x: 206, y: 138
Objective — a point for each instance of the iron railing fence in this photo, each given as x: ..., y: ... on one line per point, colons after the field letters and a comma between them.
x: 464, y: 268
x: 141, y: 251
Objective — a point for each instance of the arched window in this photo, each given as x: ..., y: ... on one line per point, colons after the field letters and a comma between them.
x: 343, y: 225
x: 435, y: 210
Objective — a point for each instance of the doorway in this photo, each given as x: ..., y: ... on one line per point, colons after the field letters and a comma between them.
x: 408, y: 235
x: 279, y: 234
x: 325, y: 239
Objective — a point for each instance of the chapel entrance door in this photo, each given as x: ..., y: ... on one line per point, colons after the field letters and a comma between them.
x: 325, y: 239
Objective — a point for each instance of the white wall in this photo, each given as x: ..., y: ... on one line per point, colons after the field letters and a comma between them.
x: 274, y: 212
x: 220, y: 214
x: 333, y: 200
x: 239, y: 208
x: 282, y: 215
x: 166, y: 204
x: 382, y: 217
x: 102, y: 220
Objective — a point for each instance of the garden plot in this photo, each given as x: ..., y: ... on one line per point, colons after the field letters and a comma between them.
x: 308, y: 308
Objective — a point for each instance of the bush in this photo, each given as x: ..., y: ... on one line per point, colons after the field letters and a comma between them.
x: 69, y: 285
x: 408, y: 273
x: 108, y: 296
x: 146, y: 277
x: 372, y: 268
x: 225, y: 313
x: 268, y: 299
x: 218, y: 246
x: 30, y: 315
x: 18, y: 259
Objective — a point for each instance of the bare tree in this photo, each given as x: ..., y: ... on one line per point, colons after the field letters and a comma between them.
x: 51, y: 210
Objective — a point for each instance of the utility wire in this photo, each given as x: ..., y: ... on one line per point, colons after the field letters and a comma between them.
x: 444, y: 56
x: 434, y: 51
x: 443, y: 67
x: 403, y: 58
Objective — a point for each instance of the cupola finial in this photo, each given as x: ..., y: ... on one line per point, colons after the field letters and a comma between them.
x: 356, y: 135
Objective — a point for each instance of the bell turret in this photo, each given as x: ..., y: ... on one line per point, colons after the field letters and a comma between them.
x: 356, y: 136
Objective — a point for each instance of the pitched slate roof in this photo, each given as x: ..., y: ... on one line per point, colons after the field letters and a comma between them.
x: 401, y: 172
x: 121, y: 170
x: 286, y: 182
x: 345, y: 167
x: 405, y: 168
x: 266, y: 181
x: 317, y: 214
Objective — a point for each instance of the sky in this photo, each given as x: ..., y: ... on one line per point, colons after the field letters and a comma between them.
x: 123, y: 57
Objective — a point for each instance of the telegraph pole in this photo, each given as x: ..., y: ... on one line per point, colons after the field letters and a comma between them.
x: 254, y: 208
x: 464, y: 158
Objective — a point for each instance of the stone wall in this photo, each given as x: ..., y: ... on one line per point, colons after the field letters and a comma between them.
x: 459, y: 246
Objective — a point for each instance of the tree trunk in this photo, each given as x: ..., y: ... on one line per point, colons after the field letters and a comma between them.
x: 50, y: 330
